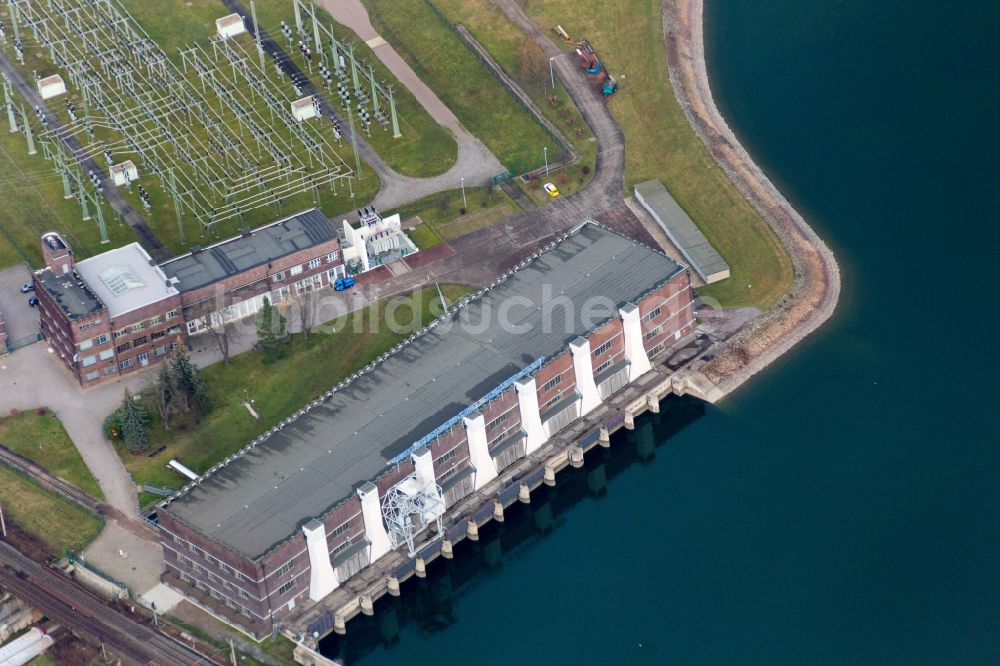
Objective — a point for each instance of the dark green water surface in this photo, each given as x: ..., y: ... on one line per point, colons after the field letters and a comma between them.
x: 844, y: 507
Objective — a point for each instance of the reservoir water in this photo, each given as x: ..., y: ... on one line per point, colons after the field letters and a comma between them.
x: 843, y: 507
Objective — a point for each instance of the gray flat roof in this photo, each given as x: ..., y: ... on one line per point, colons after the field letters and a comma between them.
x: 241, y: 253
x: 683, y: 232
x: 71, y: 293
x: 125, y: 279
x: 300, y: 471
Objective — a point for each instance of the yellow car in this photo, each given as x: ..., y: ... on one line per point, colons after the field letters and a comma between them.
x: 552, y: 190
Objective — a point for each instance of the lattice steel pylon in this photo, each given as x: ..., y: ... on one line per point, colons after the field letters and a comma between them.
x: 409, y: 508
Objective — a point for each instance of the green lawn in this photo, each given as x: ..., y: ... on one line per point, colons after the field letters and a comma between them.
x: 442, y: 212
x: 56, y: 521
x: 443, y: 61
x: 41, y: 437
x: 661, y: 144
x: 423, y: 236
x: 503, y: 39
x: 33, y: 203
x: 311, y: 367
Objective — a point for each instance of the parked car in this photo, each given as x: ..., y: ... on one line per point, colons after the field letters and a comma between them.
x: 551, y: 189
x: 27, y: 286
x: 33, y: 301
x: 344, y: 283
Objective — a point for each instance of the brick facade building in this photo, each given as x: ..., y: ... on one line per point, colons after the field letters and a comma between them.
x: 310, y: 503
x: 117, y: 312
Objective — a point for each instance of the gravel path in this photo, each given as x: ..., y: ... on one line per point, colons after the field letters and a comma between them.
x: 816, y: 287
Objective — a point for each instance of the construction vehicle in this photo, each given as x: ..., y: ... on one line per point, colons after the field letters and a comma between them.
x: 595, y: 70
x: 344, y: 283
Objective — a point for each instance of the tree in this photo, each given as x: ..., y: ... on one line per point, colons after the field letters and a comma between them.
x: 186, y: 378
x: 305, y: 309
x: 533, y: 63
x: 270, y: 330
x: 133, y: 423
x: 165, y: 395
x: 223, y: 334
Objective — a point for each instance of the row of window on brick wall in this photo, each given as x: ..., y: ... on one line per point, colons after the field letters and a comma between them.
x: 142, y: 358
x: 312, y: 265
x: 138, y: 326
x: 218, y: 596
x: 652, y: 314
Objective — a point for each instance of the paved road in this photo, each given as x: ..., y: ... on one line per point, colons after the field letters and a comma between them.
x: 146, y: 236
x: 475, y: 162
x: 76, y: 608
x: 31, y: 377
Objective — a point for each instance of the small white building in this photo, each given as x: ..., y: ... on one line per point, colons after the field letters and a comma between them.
x: 51, y: 86
x: 124, y: 173
x: 230, y: 26
x: 375, y: 241
x: 304, y: 109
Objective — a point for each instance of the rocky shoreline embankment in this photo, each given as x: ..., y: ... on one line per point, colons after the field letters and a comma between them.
x: 813, y: 297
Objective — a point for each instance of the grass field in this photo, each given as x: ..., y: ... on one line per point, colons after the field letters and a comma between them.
x: 33, y: 203
x: 310, y: 367
x: 445, y: 63
x: 660, y: 143
x: 57, y: 522
x: 40, y: 436
x: 442, y: 212
x: 491, y: 27
x: 423, y: 236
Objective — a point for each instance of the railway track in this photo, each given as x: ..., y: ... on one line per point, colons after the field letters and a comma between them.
x: 42, y: 475
x: 78, y: 609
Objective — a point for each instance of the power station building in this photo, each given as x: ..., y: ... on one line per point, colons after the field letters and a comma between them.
x: 117, y: 311
x: 376, y: 463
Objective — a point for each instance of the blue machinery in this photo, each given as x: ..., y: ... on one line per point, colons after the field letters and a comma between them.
x: 450, y: 423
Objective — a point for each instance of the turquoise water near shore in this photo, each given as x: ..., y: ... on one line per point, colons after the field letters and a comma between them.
x: 844, y: 506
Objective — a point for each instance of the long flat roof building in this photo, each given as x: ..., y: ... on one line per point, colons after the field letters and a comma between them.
x: 233, y: 256
x: 452, y: 406
x: 682, y: 231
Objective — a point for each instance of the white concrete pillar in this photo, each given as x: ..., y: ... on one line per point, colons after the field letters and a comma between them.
x: 531, y: 419
x: 423, y: 465
x: 322, y: 577
x: 371, y: 511
x: 635, y: 352
x: 583, y: 368
x: 479, y: 453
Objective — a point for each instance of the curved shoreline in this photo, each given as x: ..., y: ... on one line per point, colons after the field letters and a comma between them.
x: 815, y: 290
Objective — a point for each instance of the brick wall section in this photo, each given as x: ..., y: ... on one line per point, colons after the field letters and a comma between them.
x: 153, y: 337
x: 177, y: 539
x: 613, y: 333
x: 344, y: 526
x: 65, y: 334
x: 666, y: 312
x: 561, y: 366
x: 449, y: 451
x: 502, y: 416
